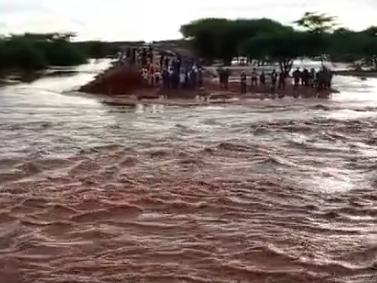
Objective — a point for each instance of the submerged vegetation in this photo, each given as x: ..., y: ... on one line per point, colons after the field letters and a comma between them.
x: 315, y: 36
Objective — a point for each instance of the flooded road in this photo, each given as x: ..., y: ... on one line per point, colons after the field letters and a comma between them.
x: 272, y: 191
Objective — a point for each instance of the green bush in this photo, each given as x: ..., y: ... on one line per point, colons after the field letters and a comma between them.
x: 21, y: 54
x: 29, y: 52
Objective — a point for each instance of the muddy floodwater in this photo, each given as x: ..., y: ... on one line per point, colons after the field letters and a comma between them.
x: 269, y: 191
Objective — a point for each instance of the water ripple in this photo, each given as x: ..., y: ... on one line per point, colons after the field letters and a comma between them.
x: 269, y: 191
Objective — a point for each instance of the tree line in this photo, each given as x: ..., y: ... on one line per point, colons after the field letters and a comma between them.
x: 314, y: 36
x: 32, y: 51
x: 264, y: 40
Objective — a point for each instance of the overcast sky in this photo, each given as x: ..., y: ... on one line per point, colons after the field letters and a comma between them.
x: 161, y: 19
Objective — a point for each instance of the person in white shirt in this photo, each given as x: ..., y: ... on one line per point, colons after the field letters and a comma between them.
x: 144, y: 73
x: 182, y: 79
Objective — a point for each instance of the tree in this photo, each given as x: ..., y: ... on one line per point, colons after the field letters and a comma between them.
x: 319, y: 25
x: 96, y: 49
x: 217, y: 38
x: 371, y: 31
x: 203, y: 36
x: 62, y: 53
x: 316, y: 23
x: 32, y: 51
x: 369, y: 51
x: 344, y: 45
x: 20, y: 53
x: 283, y: 47
x: 254, y: 49
x: 368, y: 40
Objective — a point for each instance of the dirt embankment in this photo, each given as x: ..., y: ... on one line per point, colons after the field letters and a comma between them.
x: 116, y: 80
x: 126, y: 80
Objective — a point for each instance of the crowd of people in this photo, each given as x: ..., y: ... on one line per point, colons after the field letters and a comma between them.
x: 163, y: 69
x: 320, y: 79
x: 168, y: 70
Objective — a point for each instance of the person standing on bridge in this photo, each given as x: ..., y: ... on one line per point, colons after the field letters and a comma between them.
x: 162, y: 60
x: 296, y: 77
x: 254, y: 78
x: 200, y: 77
x: 182, y: 79
x: 157, y: 77
x: 262, y: 79
x: 274, y: 77
x: 243, y: 81
x: 150, y: 55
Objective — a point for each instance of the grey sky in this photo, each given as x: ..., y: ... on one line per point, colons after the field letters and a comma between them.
x: 147, y: 19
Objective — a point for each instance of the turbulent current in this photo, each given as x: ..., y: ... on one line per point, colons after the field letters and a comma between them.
x: 268, y: 191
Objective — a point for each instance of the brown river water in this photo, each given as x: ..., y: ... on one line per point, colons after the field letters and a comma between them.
x: 271, y: 191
